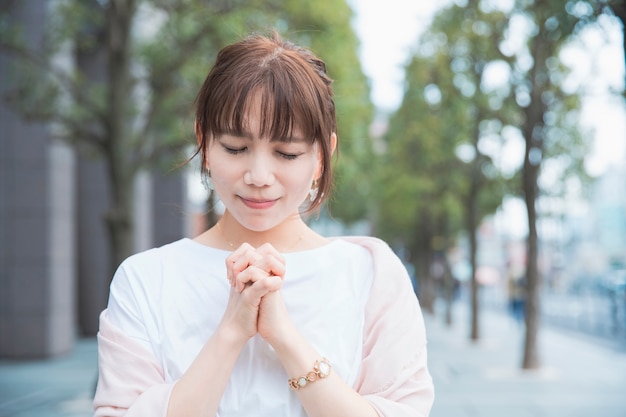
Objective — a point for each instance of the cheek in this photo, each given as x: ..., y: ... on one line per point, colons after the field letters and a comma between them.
x: 304, y: 176
x: 222, y: 173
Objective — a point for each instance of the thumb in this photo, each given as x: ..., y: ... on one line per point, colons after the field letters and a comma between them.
x: 260, y: 288
x: 274, y: 282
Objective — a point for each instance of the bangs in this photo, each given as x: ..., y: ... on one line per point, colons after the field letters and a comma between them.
x: 290, y: 107
x: 285, y: 84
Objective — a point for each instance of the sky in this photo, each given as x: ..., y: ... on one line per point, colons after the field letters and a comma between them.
x: 387, y: 30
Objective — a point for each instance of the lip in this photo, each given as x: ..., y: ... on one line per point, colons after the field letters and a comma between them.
x: 258, y: 204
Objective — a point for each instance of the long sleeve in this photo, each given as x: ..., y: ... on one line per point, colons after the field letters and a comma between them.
x: 130, y: 382
x: 394, y: 375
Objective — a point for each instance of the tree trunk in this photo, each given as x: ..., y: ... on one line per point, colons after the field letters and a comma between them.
x: 531, y: 353
x: 120, y: 222
x: 449, y: 289
x: 120, y: 14
x: 95, y: 267
x: 620, y: 11
x: 533, y: 130
x: 474, y: 288
x: 474, y: 329
x: 472, y: 219
x: 421, y: 256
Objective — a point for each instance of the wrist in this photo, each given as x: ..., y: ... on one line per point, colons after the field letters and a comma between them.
x: 275, y: 325
x: 321, y: 369
x: 230, y: 337
x: 284, y: 335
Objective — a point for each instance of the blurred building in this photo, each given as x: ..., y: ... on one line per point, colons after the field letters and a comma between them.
x: 609, y: 208
x: 586, y: 239
x: 54, y: 269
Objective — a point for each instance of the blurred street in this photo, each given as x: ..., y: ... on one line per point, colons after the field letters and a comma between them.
x: 60, y: 387
x: 581, y: 376
x: 595, y: 314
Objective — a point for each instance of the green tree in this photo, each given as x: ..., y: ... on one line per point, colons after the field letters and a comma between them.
x: 617, y: 7
x: 446, y: 81
x: 448, y: 109
x: 135, y: 110
x: 471, y: 52
x: 418, y: 175
x: 325, y: 26
x: 129, y: 111
x: 549, y: 128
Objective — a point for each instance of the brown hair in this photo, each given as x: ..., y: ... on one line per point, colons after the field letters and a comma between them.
x: 295, y: 93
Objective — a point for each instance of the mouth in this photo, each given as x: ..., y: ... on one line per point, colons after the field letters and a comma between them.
x: 258, y: 204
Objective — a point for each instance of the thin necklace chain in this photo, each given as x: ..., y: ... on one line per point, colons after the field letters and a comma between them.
x: 232, y: 245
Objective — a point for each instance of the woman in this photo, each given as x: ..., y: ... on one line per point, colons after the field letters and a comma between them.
x: 260, y: 315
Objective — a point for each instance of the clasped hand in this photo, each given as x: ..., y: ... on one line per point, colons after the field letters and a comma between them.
x: 255, y: 303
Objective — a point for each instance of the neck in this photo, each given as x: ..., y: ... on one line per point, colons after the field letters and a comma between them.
x: 285, y: 237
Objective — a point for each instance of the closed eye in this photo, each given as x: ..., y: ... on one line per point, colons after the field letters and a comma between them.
x: 289, y: 156
x: 234, y: 151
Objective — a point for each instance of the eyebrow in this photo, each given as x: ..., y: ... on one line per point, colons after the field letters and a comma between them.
x: 249, y: 136
x: 288, y: 139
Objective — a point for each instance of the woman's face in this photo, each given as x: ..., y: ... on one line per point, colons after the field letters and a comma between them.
x: 262, y: 181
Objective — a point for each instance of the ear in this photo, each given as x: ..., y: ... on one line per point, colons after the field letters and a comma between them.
x: 333, y: 143
x: 198, y: 132
x: 333, y: 146
x: 196, y: 129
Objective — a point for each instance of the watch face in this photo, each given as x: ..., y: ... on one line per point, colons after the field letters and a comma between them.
x: 324, y: 368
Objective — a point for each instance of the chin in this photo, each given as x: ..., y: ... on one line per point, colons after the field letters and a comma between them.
x: 259, y: 224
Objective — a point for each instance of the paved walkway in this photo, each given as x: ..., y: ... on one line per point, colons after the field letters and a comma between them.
x: 580, y: 377
x: 60, y: 387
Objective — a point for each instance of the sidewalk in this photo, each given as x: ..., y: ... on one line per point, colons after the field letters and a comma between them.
x: 579, y: 377
x: 60, y: 387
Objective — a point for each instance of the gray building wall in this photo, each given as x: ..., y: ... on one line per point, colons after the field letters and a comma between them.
x: 171, y: 215
x: 93, y: 199
x: 93, y: 252
x: 55, y: 267
x: 37, y: 263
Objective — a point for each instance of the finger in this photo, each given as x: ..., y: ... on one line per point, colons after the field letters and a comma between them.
x: 242, y: 264
x: 232, y: 258
x: 272, y: 265
x: 243, y: 248
x: 272, y: 261
x: 273, y: 283
x: 260, y: 288
x: 239, y: 260
x: 268, y: 249
x: 248, y: 277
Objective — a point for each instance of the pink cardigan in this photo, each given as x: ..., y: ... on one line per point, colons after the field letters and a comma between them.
x: 394, y: 376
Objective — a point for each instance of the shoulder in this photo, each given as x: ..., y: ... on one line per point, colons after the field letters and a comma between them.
x: 390, y: 274
x: 149, y: 256
x: 144, y: 268
x: 378, y: 248
x: 138, y: 284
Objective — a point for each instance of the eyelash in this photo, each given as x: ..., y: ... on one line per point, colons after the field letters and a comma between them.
x: 288, y: 156
x: 234, y: 151
x: 237, y: 151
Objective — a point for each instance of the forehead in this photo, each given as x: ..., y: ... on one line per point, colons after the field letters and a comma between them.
x: 265, y: 115
x: 255, y: 121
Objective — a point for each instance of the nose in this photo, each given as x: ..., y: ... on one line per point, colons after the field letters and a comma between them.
x: 259, y: 172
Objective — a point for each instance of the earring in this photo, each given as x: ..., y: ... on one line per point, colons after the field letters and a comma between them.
x: 313, y: 190
x: 205, y: 178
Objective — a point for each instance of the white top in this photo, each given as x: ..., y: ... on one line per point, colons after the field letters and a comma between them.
x: 172, y: 298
